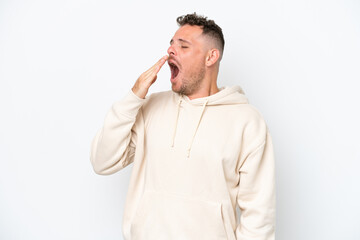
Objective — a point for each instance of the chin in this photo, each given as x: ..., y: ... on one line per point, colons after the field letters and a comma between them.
x: 175, y: 87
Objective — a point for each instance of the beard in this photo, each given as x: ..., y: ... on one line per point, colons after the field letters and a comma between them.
x: 192, y: 83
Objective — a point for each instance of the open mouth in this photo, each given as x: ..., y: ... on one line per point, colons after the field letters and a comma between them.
x: 174, y: 69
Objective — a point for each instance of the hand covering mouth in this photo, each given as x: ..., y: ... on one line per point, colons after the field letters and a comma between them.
x: 173, y: 68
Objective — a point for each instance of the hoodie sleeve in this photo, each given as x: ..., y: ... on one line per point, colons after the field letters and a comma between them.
x: 113, y: 146
x: 256, y: 193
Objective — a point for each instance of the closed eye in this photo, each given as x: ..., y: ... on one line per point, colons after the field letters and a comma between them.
x: 184, y: 47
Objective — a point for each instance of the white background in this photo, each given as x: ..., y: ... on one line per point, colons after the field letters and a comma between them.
x: 63, y: 64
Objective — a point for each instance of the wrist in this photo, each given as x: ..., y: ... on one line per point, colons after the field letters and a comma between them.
x: 141, y: 93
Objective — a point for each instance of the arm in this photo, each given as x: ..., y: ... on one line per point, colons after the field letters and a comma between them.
x: 113, y: 146
x: 256, y: 195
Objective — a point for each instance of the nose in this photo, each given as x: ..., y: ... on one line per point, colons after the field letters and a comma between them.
x: 171, y: 50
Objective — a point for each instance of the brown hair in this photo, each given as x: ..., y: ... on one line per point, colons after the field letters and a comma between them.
x: 209, y: 27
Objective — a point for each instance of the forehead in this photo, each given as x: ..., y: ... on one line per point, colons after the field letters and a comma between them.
x: 188, y: 32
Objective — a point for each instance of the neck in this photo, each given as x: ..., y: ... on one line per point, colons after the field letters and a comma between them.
x: 207, y: 88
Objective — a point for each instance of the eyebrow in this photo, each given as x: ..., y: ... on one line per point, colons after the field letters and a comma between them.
x: 180, y: 40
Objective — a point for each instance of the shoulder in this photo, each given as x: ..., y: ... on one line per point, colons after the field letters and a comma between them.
x: 250, y: 115
x: 160, y: 95
x: 157, y: 101
x: 255, y: 129
x: 158, y: 98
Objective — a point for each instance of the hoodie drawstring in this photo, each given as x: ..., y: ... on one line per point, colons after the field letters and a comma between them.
x: 176, y: 121
x: 197, y: 126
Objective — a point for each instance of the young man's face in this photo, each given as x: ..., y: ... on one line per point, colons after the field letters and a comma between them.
x: 187, y: 54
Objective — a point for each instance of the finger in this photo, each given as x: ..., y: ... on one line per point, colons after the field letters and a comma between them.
x: 160, y: 63
x: 156, y: 67
x: 150, y: 74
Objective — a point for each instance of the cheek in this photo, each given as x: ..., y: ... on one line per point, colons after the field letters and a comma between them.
x: 192, y: 61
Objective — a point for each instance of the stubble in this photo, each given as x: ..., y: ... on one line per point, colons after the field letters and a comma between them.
x: 192, y: 84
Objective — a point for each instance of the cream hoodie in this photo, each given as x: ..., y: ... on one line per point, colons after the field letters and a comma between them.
x: 194, y: 162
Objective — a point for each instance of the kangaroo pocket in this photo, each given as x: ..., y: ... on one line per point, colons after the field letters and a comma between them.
x: 168, y: 216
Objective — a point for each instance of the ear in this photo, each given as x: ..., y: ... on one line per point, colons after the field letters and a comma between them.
x: 212, y: 57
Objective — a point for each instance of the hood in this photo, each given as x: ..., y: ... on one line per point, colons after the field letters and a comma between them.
x: 226, y: 96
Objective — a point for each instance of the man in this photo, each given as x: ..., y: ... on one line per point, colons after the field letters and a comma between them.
x: 198, y: 150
